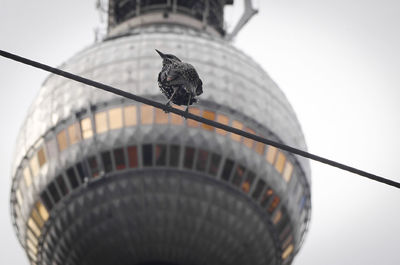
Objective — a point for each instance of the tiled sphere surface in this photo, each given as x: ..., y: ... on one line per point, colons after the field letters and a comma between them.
x: 225, y: 201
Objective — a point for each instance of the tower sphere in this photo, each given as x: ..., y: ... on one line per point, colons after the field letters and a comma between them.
x: 100, y: 179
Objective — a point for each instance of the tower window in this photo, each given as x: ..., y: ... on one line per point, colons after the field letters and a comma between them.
x: 146, y: 114
x: 41, y: 157
x: 161, y: 154
x: 202, y: 160
x: 86, y: 125
x: 246, y: 185
x: 72, y: 178
x: 130, y: 115
x: 226, y: 172
x: 54, y: 192
x: 107, y: 163
x: 119, y: 158
x: 81, y: 172
x: 115, y: 118
x: 224, y: 120
x: 132, y: 156
x: 62, y: 140
x: 161, y: 117
x: 147, y: 150
x: 209, y: 115
x: 46, y: 200
x: 189, y: 157
x: 94, y: 168
x: 174, y: 155
x: 101, y: 122
x: 259, y: 188
x: 193, y: 123
x: 238, y: 175
x: 61, y: 184
x: 214, y: 164
x: 236, y: 125
x: 280, y: 162
x: 73, y: 133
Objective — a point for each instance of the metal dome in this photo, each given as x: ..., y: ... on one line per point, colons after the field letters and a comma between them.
x: 235, y: 88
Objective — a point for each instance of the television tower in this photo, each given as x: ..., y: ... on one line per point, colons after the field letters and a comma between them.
x: 99, y: 179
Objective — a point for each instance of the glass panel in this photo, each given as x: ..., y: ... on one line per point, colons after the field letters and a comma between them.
x: 33, y: 227
x: 277, y: 217
x: 101, y: 122
x: 249, y: 142
x: 209, y: 115
x: 161, y: 117
x: 81, y: 172
x: 36, y: 218
x: 94, y: 167
x: 246, y: 185
x: 224, y: 120
x: 54, y: 192
x: 193, y: 123
x: 146, y: 114
x: 19, y: 197
x: 226, y: 172
x: 119, y: 158
x: 132, y: 156
x: 280, y: 162
x: 266, y: 197
x: 287, y: 172
x: 147, y: 150
x: 237, y: 125
x: 174, y: 155
x: 259, y: 148
x: 189, y: 157
x: 161, y: 154
x: 286, y: 253
x: 259, y: 188
x: 287, y: 241
x: 27, y: 176
x: 214, y: 164
x: 31, y: 246
x: 115, y: 118
x: 41, y: 157
x: 31, y: 237
x: 62, y: 140
x: 72, y: 178
x: 202, y: 159
x: 86, y: 125
x: 74, y: 133
x: 46, y: 200
x: 176, y: 119
x: 274, y: 204
x: 238, y: 175
x: 61, y: 184
x: 42, y: 211
x: 271, y: 153
x: 107, y: 163
x: 34, y: 164
x: 130, y: 116
x: 302, y: 203
x: 52, y: 149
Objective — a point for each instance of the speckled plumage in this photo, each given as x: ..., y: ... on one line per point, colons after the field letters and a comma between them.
x: 179, y: 81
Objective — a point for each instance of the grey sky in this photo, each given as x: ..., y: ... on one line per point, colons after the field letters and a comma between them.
x: 337, y: 62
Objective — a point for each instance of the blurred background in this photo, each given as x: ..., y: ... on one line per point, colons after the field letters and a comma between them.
x: 336, y: 61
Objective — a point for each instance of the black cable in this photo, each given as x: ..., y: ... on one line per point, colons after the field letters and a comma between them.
x: 197, y: 118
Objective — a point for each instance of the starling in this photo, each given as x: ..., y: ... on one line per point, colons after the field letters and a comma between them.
x: 179, y: 81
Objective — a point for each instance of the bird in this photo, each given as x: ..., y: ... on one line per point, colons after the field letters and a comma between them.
x: 179, y: 81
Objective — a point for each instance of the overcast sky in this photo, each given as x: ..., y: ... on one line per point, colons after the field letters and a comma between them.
x: 338, y: 63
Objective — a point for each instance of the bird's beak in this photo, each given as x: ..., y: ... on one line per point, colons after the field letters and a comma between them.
x: 160, y: 53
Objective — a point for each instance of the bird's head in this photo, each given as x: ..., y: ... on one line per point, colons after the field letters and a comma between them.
x: 168, y: 58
